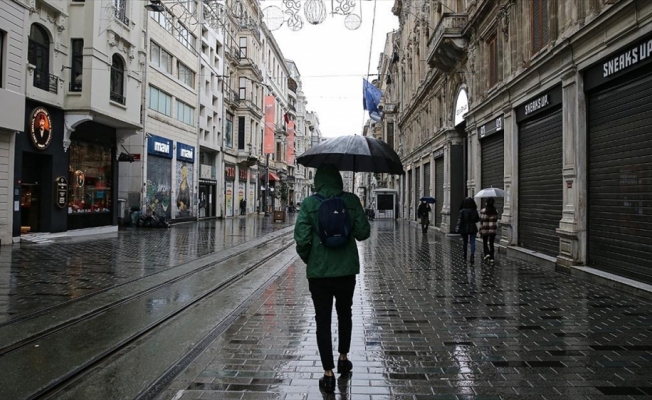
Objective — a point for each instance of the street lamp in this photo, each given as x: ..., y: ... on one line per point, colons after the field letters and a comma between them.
x: 155, y: 6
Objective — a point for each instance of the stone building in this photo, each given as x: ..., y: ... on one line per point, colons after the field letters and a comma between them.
x: 82, y: 87
x: 546, y: 99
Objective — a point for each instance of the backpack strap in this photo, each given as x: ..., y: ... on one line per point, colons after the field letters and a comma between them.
x: 319, y: 197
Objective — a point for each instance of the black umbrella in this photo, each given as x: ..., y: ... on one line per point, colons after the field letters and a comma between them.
x: 354, y: 153
x: 428, y: 199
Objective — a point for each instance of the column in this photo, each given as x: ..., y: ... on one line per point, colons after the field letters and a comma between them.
x: 508, y: 219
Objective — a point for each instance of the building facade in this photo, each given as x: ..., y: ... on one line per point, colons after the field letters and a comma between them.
x: 553, y: 111
x: 82, y: 100
x: 13, y: 24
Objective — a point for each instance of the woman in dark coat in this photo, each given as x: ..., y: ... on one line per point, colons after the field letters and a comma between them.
x: 466, y: 224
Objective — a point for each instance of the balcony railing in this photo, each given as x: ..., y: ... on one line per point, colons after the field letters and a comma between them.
x: 45, y: 81
x: 447, y: 44
x: 121, y: 14
x: 117, y: 97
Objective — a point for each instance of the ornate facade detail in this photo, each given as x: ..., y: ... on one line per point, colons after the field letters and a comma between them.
x: 503, y: 18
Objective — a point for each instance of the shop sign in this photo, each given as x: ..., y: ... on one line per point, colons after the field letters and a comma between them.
x: 539, y: 104
x: 159, y: 146
x: 438, y: 153
x: 492, y: 127
x: 206, y: 172
x: 242, y: 175
x: 185, y: 153
x: 62, y: 191
x: 40, y: 128
x: 229, y: 172
x: 461, y: 106
x: 621, y: 62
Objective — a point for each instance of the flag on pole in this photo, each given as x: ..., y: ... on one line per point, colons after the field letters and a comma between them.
x: 371, y: 96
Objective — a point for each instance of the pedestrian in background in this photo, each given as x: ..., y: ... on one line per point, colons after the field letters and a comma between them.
x: 331, y: 271
x: 466, y: 224
x: 422, y: 214
x: 488, y: 228
x: 243, y: 206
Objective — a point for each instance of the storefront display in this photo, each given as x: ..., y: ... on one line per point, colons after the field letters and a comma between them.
x: 90, y: 173
x: 159, y: 176
x: 185, y: 163
x: 229, y: 178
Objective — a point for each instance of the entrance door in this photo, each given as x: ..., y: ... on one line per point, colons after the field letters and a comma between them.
x: 439, y: 189
x: 30, y: 195
x: 203, y: 201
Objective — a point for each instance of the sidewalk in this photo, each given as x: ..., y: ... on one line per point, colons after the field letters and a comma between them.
x: 427, y: 326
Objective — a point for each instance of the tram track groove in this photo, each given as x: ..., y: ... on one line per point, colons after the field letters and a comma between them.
x: 110, y: 312
x: 10, y: 343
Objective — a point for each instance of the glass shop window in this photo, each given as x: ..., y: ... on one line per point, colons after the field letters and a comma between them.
x: 89, y: 179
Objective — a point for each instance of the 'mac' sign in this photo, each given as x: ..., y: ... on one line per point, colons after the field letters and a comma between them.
x: 242, y: 174
x: 229, y: 172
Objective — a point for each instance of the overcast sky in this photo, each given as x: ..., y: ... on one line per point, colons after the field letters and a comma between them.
x: 333, y: 60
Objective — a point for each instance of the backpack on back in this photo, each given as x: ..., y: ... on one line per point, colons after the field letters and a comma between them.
x: 334, y: 227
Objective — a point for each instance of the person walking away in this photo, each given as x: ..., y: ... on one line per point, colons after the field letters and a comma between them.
x: 331, y: 271
x: 488, y: 227
x: 422, y: 214
x: 243, y: 206
x: 466, y: 224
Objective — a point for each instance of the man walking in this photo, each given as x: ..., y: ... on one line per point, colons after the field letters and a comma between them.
x: 332, y: 263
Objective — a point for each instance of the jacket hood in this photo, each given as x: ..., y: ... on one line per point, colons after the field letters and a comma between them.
x: 328, y: 181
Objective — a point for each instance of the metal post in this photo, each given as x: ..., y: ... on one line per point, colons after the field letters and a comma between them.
x: 267, y: 191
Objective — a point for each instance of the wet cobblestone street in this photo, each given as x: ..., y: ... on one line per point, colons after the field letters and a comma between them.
x: 36, y: 276
x: 429, y: 326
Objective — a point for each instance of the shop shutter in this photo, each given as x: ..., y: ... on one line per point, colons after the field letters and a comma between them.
x: 426, y: 180
x: 409, y: 195
x: 620, y: 179
x: 439, y: 189
x: 493, y: 167
x: 540, y: 192
x: 417, y: 185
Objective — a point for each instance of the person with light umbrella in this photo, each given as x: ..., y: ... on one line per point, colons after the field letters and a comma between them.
x: 488, y: 228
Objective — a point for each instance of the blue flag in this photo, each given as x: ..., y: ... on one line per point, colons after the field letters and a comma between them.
x: 371, y: 99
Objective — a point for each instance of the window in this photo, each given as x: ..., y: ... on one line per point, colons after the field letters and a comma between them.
x: 160, y: 101
x: 185, y: 37
x: 121, y: 11
x: 163, y: 19
x: 185, y: 75
x: 76, y: 65
x: 90, y: 165
x: 160, y: 58
x: 185, y: 113
x: 241, y: 133
x: 540, y: 34
x: 242, y: 91
x: 243, y: 47
x: 228, y: 134
x: 38, y: 54
x: 2, y: 57
x: 493, y: 61
x: 117, y: 80
x: 390, y: 135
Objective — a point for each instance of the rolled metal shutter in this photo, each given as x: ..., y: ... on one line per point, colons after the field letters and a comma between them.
x: 439, y: 189
x: 417, y: 185
x: 620, y: 179
x: 426, y: 180
x: 409, y: 197
x: 540, y: 179
x: 493, y: 167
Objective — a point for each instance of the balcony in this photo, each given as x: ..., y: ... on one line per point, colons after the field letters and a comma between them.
x: 121, y: 14
x: 248, y: 103
x: 447, y: 45
x: 231, y: 98
x: 279, y: 129
x: 75, y: 86
x: 117, y: 97
x: 45, y: 81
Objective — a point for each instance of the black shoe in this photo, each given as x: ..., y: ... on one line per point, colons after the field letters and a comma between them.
x: 344, y: 366
x: 471, y: 261
x: 327, y: 383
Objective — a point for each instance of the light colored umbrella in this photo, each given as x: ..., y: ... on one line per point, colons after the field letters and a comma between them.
x: 490, y: 192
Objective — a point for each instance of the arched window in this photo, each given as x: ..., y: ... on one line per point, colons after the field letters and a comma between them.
x: 38, y: 54
x: 117, y: 79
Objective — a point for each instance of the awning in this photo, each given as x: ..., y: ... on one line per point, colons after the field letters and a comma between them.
x: 272, y: 176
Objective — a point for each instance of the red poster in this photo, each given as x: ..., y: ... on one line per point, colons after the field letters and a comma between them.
x: 289, y: 156
x: 270, y: 106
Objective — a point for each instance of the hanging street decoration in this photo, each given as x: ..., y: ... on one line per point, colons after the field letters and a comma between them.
x: 314, y: 11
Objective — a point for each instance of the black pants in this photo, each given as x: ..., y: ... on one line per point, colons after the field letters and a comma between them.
x: 323, y: 290
x: 488, y: 247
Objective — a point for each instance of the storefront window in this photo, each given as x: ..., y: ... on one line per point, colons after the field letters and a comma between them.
x: 89, y: 178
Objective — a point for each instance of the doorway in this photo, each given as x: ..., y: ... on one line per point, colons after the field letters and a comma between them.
x: 30, y: 195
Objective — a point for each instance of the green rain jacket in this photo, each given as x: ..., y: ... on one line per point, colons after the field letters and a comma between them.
x: 326, y: 262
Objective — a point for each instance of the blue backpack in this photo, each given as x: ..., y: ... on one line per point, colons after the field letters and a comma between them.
x: 334, y: 227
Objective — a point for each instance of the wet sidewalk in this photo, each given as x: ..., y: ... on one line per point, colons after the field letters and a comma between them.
x: 429, y: 326
x: 36, y: 276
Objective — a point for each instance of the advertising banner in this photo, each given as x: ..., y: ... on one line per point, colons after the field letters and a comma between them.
x: 229, y: 199
x: 241, y: 196
x: 270, y: 110
x: 289, y: 156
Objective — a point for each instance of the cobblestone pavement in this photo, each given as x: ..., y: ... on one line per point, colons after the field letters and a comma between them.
x: 429, y: 326
x: 37, y: 276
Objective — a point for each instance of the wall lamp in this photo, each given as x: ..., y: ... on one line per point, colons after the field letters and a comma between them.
x: 155, y: 6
